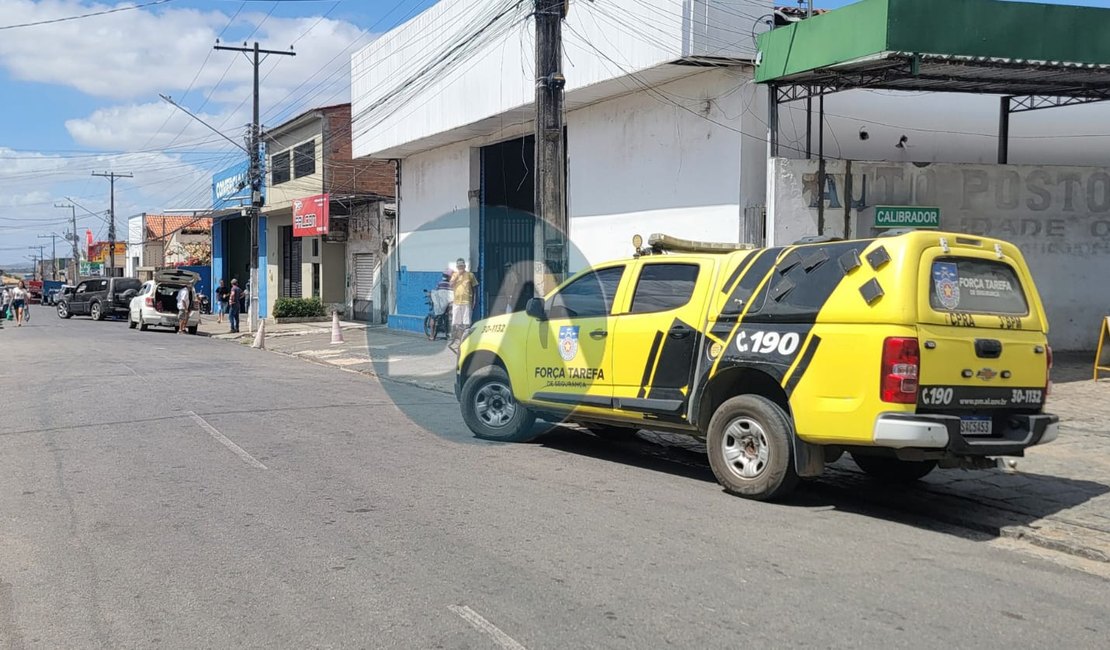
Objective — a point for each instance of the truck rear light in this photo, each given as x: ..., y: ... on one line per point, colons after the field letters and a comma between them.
x: 901, y: 362
x: 1048, y: 372
x: 150, y: 301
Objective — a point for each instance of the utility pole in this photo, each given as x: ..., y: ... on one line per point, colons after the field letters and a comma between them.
x: 112, y: 176
x: 54, y: 254
x: 38, y: 264
x: 255, y: 153
x: 76, y: 277
x: 550, y: 164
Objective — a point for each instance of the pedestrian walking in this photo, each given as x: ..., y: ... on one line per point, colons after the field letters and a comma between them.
x: 235, y: 295
x: 222, y: 297
x: 463, y: 284
x: 184, y: 305
x: 20, y: 296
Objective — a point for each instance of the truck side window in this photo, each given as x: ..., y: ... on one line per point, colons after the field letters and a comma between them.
x: 590, y: 295
x: 82, y: 288
x: 663, y: 287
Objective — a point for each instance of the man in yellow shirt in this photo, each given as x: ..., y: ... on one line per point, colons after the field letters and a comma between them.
x: 463, y: 284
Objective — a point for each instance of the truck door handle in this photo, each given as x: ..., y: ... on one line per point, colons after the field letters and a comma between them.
x: 680, y: 332
x: 599, y: 334
x: 988, y: 348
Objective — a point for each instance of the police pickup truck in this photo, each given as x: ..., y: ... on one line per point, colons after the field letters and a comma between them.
x: 908, y: 351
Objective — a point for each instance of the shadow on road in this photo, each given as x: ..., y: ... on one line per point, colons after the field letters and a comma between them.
x: 976, y: 505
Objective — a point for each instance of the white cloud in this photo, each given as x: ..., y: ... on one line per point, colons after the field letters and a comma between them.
x: 139, y: 53
x: 153, y: 126
x: 125, y: 60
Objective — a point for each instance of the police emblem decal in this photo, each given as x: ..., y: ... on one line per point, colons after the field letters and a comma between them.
x: 946, y: 279
x: 568, y: 342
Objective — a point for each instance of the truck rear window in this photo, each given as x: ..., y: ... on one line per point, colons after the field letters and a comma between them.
x: 978, y: 286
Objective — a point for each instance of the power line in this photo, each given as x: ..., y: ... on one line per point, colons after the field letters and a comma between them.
x: 88, y: 15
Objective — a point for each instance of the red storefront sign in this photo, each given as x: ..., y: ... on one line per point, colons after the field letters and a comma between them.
x: 310, y: 216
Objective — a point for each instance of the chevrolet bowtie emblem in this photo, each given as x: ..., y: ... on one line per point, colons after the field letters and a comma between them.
x: 986, y: 374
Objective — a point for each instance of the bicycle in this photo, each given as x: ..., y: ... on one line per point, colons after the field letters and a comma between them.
x: 434, y: 323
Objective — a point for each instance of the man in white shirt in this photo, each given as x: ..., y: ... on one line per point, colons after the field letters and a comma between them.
x: 183, y: 304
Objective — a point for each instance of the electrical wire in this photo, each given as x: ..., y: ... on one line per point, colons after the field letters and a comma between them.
x: 51, y: 21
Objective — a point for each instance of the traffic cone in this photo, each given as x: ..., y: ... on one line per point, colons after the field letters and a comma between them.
x: 260, y: 337
x: 336, y: 333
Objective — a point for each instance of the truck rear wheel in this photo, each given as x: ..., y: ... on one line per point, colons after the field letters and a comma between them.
x: 490, y: 409
x: 749, y: 442
x: 893, y: 470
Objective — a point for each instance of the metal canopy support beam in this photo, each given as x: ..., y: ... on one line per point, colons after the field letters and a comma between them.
x: 1003, y: 130
x: 773, y: 120
x: 1026, y: 103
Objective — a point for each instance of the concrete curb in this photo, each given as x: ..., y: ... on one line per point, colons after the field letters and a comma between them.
x: 1048, y: 534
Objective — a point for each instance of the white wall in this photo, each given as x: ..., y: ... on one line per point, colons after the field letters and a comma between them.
x: 496, y: 72
x: 433, y: 214
x: 1058, y: 216
x: 639, y: 165
x: 946, y: 127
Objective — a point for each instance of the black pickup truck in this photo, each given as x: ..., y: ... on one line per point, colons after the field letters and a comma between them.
x: 98, y: 297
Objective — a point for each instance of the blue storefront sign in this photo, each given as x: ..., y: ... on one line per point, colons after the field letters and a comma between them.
x: 231, y: 187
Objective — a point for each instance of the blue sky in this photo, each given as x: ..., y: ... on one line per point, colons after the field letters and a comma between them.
x: 82, y: 96
x: 86, y: 91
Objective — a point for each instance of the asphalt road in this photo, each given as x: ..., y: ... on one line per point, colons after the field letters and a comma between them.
x: 159, y: 490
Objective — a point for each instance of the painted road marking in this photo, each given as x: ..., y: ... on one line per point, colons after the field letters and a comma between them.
x: 222, y: 439
x: 482, y: 625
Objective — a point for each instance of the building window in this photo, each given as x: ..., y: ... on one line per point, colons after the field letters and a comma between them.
x: 315, y: 279
x: 316, y: 247
x: 304, y: 159
x: 279, y: 168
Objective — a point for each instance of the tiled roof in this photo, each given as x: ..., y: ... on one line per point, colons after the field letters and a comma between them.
x: 159, y: 226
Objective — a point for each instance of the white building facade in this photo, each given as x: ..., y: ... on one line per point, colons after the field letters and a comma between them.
x: 665, y: 130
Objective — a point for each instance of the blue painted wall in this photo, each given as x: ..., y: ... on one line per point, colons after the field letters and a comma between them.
x: 204, y: 286
x: 411, y: 307
x: 218, y: 271
x: 262, y: 267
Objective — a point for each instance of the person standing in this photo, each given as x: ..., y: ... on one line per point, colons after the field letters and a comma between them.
x: 20, y: 295
x: 183, y: 307
x: 463, y: 283
x: 222, y: 293
x: 234, y: 296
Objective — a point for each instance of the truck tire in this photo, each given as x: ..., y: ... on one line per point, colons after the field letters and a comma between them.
x: 893, y: 470
x: 63, y: 311
x: 142, y: 324
x: 490, y: 409
x: 750, y: 448
x: 95, y: 312
x: 131, y: 322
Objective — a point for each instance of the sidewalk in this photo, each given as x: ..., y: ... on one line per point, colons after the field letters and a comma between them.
x: 1057, y: 497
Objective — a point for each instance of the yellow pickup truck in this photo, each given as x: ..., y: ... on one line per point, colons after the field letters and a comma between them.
x: 907, y: 351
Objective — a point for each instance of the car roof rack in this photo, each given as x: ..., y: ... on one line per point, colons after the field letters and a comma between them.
x: 660, y: 243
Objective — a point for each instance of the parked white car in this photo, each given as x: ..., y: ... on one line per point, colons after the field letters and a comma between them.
x: 156, y: 303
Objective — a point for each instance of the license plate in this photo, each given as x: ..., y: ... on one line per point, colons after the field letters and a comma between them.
x: 976, y: 426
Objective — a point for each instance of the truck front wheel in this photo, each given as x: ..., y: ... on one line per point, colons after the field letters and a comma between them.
x: 490, y: 409
x: 749, y: 442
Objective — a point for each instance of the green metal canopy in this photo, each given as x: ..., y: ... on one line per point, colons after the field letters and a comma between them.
x: 1035, y: 55
x: 944, y: 45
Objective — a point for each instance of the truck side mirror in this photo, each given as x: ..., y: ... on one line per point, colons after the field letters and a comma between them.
x: 534, y: 308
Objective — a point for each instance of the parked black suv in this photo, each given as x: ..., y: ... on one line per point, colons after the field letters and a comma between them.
x: 98, y: 297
